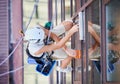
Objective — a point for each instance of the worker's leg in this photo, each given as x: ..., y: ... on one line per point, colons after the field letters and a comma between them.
x: 66, y: 62
x: 62, y: 27
x: 64, y: 65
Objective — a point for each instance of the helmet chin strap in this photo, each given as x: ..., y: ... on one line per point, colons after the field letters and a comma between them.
x: 38, y: 41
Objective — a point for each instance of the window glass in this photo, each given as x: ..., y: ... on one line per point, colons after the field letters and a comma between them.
x: 113, y: 40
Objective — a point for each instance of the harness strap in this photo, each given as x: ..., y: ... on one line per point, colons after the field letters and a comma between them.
x: 34, y: 56
x: 37, y: 59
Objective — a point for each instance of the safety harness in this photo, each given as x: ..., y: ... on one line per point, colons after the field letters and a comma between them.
x: 44, y: 63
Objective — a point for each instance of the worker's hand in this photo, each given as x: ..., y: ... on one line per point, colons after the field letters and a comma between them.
x: 75, y: 28
x: 21, y: 33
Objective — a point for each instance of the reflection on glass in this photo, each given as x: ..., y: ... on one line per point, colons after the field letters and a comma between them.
x: 113, y: 40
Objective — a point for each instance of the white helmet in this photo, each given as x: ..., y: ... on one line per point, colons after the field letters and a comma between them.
x: 34, y: 35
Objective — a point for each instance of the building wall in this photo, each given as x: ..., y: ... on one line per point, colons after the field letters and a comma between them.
x: 16, y: 19
x: 4, y: 40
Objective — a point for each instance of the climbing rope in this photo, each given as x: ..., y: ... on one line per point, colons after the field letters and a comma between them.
x: 35, y: 5
x: 11, y: 52
x: 12, y: 71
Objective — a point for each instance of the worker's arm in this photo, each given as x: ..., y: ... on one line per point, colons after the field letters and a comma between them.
x: 60, y: 43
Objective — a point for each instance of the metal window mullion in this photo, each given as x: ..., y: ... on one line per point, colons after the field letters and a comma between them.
x: 50, y: 17
x: 56, y: 12
x: 62, y: 75
x: 103, y: 43
x: 71, y: 7
x: 62, y: 10
x: 50, y: 10
x: 86, y: 46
